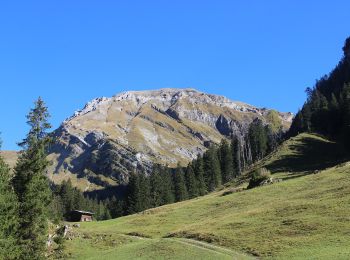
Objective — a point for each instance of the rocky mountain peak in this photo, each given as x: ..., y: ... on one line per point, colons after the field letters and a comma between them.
x: 110, y: 137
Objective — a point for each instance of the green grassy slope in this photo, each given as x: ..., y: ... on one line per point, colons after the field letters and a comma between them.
x: 303, y: 154
x: 299, y: 218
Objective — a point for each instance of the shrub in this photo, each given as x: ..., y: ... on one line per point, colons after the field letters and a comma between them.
x: 258, y: 176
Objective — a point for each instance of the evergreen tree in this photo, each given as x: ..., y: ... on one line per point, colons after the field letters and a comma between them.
x: 273, y: 138
x: 334, y: 116
x: 236, y: 155
x: 101, y: 211
x: 306, y: 116
x: 167, y: 188
x: 116, y: 207
x: 191, y: 182
x: 66, y: 193
x: 145, y: 192
x: 156, y: 187
x: 56, y: 211
x: 212, y: 169
x: 133, y: 196
x: 107, y: 214
x: 227, y: 167
x: 258, y: 140
x: 346, y: 113
x: 8, y: 215
x: 180, y: 185
x: 199, y: 173
x: 31, y: 185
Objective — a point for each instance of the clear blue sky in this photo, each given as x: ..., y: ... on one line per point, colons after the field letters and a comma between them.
x: 260, y: 52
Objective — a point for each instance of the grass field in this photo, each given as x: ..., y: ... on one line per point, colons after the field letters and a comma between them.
x: 299, y: 218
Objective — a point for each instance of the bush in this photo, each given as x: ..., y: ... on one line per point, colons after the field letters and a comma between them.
x: 258, y: 176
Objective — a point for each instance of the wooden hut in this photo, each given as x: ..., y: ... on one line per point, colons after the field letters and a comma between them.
x: 80, y: 216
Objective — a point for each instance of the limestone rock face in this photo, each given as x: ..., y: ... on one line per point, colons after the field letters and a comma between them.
x: 110, y: 137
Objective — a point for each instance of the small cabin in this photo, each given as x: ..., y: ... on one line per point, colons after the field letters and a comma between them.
x: 80, y: 216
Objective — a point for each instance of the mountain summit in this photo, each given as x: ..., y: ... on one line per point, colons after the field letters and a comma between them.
x: 110, y: 137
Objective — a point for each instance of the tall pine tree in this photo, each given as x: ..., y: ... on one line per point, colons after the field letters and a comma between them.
x: 8, y: 215
x: 31, y: 185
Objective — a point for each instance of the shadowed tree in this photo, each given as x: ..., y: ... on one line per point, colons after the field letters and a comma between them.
x: 180, y: 185
x: 199, y: 172
x: 212, y: 169
x: 191, y: 182
x: 226, y: 162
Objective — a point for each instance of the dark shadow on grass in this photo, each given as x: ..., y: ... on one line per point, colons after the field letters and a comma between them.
x: 310, y: 155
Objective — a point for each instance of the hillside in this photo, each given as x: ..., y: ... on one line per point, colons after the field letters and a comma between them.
x: 110, y: 137
x: 304, y: 217
x: 10, y: 157
x: 303, y: 154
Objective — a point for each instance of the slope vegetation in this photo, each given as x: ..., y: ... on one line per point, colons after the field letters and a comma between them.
x: 304, y: 217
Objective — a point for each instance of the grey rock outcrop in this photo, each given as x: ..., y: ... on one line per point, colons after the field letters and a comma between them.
x: 101, y: 144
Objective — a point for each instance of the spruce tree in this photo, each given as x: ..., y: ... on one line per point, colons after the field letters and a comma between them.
x: 191, y: 182
x: 66, y: 193
x: 167, y: 188
x: 31, y: 185
x: 236, y: 154
x: 156, y: 187
x: 116, y: 207
x: 56, y: 211
x: 8, y: 215
x: 199, y: 173
x: 212, y: 169
x: 346, y: 113
x: 101, y: 211
x: 334, y: 117
x: 145, y: 192
x: 107, y: 214
x: 180, y: 185
x: 257, y: 137
x: 133, y: 196
x: 226, y: 162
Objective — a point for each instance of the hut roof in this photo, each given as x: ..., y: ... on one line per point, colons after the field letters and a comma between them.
x: 84, y: 212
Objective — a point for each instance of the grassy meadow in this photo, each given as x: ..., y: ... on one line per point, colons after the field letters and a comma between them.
x: 306, y: 216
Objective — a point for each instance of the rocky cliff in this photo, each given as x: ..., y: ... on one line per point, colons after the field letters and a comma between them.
x: 110, y: 137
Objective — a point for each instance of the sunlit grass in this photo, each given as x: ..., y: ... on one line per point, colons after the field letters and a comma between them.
x: 305, y: 217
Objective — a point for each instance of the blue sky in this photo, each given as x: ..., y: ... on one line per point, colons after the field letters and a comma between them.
x: 261, y: 52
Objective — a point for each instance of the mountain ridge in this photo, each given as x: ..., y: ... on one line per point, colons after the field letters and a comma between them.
x: 99, y: 145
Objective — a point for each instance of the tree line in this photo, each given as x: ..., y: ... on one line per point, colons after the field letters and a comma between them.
x: 219, y: 165
x: 327, y: 108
